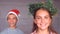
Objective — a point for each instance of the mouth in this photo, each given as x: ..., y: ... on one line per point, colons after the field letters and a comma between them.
x: 43, y: 25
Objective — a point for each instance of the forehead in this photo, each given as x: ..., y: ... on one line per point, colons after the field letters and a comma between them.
x: 42, y: 12
x: 12, y: 15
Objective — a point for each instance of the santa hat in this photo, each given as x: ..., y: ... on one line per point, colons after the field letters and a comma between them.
x: 15, y: 12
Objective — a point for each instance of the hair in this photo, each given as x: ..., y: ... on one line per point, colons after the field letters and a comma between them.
x: 35, y: 27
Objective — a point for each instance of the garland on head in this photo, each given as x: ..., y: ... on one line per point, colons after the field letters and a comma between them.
x: 48, y: 4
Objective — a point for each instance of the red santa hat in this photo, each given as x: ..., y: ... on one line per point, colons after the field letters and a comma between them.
x: 15, y: 12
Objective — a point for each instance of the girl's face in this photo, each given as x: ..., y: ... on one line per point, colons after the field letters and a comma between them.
x: 12, y: 20
x: 42, y: 19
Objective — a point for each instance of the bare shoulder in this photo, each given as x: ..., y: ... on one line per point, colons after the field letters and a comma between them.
x: 54, y: 32
x: 33, y: 32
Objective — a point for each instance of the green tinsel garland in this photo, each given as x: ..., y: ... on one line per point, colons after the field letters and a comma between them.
x: 48, y: 4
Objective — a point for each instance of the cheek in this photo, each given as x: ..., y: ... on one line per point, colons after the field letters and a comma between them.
x: 15, y: 21
x: 9, y: 21
x: 49, y: 22
x: 37, y: 21
x: 12, y: 21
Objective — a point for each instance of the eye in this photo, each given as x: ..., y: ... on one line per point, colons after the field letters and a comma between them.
x: 8, y: 18
x: 14, y: 18
x: 38, y: 17
x: 46, y: 17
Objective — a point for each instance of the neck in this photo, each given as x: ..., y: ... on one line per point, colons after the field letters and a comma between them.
x: 12, y: 27
x: 45, y: 31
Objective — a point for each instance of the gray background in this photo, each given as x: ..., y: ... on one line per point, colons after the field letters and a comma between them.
x: 25, y: 20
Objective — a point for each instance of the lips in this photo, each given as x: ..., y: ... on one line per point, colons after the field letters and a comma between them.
x: 43, y: 25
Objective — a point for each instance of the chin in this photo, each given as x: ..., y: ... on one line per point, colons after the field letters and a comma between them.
x: 12, y: 25
x: 43, y: 28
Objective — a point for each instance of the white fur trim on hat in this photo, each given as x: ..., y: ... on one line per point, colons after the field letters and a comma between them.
x: 13, y: 13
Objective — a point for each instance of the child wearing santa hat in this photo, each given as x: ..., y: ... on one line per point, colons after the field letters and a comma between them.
x: 12, y: 18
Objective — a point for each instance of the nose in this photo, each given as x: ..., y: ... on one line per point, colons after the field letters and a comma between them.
x: 11, y: 20
x: 42, y: 20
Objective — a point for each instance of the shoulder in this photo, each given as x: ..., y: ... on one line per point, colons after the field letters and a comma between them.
x: 33, y: 32
x: 54, y: 33
x: 4, y: 31
x: 19, y: 31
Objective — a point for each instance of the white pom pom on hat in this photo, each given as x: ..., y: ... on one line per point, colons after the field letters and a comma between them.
x: 15, y: 12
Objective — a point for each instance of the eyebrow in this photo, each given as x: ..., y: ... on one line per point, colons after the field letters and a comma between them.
x: 40, y: 16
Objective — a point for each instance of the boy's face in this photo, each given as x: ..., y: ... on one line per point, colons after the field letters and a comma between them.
x: 12, y: 20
